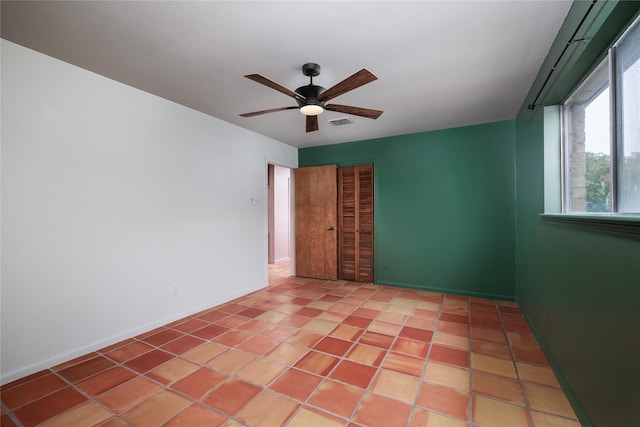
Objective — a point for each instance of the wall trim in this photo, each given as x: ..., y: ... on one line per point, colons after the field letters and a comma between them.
x: 446, y: 291
x: 103, y: 343
x: 564, y: 382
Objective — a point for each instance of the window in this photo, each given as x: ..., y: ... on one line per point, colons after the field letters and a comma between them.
x: 602, y: 134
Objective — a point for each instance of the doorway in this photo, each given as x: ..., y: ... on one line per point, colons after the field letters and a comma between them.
x: 279, y: 226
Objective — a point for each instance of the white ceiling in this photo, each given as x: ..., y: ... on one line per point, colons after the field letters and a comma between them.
x: 439, y: 64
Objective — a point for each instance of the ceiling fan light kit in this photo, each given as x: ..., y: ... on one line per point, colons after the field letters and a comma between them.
x: 311, y: 98
x: 312, y: 109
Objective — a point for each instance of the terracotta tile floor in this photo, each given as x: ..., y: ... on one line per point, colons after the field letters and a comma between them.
x: 309, y: 353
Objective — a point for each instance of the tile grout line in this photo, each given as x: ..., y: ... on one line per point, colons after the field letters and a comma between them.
x: 288, y: 366
x: 292, y: 366
x: 472, y: 394
x: 326, y: 377
x: 252, y: 300
x: 234, y: 374
x: 379, y: 368
x: 384, y: 358
x: 11, y: 415
x: 470, y: 344
x: 165, y: 387
x: 525, y: 398
x: 99, y: 353
x: 426, y: 360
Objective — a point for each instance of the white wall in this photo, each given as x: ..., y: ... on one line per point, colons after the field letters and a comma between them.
x: 282, y: 210
x: 110, y: 197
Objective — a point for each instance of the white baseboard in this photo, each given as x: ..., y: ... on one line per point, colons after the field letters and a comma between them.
x: 54, y: 361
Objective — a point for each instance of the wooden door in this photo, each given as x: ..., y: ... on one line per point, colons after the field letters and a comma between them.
x: 316, y: 222
x: 355, y: 213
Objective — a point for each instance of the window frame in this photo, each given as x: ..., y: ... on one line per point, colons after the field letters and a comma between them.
x: 565, y: 141
x: 616, y: 143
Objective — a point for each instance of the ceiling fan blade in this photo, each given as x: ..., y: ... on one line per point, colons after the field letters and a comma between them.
x: 356, y: 111
x: 273, y: 85
x: 356, y: 80
x: 273, y: 110
x: 312, y: 123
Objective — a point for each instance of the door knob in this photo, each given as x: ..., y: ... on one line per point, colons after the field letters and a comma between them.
x: 332, y: 228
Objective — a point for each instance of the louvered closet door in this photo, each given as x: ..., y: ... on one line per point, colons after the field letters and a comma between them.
x: 355, y: 212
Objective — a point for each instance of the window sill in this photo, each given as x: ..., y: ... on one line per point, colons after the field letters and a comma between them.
x: 628, y: 225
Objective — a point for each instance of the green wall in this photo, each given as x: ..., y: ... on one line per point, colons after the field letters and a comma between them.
x: 446, y: 219
x: 580, y: 290
x: 579, y: 285
x: 444, y: 207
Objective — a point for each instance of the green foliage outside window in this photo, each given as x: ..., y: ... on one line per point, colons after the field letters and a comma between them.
x: 598, y: 182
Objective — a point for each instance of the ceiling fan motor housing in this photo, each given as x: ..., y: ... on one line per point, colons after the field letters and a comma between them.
x: 310, y: 93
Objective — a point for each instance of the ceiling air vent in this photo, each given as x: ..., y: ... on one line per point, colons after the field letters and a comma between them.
x: 340, y: 122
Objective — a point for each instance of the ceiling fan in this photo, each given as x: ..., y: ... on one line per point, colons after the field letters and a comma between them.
x: 311, y: 99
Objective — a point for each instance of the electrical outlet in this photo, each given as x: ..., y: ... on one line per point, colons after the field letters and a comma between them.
x: 173, y: 291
